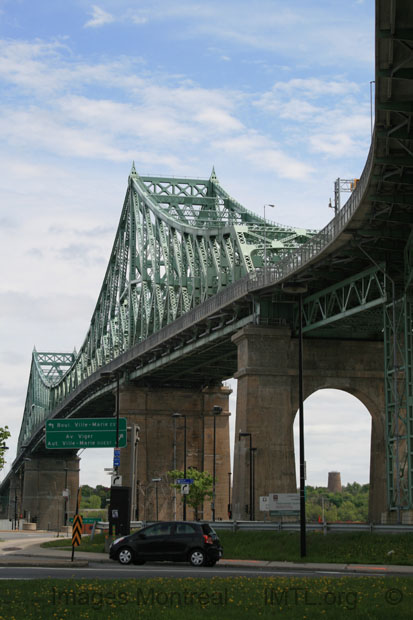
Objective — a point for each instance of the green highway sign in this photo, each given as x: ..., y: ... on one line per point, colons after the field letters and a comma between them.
x: 76, y: 433
x: 87, y: 520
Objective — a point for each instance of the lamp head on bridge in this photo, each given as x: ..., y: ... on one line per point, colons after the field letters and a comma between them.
x: 216, y: 410
x: 178, y: 415
x: 240, y: 434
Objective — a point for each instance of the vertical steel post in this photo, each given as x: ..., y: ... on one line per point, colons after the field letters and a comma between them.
x: 301, y: 427
x: 214, y: 468
x: 157, y: 502
x: 117, y: 412
x: 174, y: 501
x: 229, y: 495
x: 253, y: 451
x: 184, y: 507
x: 216, y: 410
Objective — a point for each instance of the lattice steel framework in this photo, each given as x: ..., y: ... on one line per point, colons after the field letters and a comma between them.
x: 398, y: 323
x: 179, y: 242
x: 47, y: 369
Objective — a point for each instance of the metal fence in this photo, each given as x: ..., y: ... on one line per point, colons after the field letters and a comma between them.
x: 257, y: 526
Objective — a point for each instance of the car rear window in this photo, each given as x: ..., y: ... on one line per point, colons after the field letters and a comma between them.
x: 207, y: 529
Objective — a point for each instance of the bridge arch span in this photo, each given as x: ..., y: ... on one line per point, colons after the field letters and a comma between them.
x: 267, y: 402
x: 362, y: 401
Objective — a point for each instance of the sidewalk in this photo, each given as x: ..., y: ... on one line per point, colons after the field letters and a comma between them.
x: 29, y: 553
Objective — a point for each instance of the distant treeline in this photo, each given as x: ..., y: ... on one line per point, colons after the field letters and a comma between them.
x: 349, y: 505
x: 94, y: 497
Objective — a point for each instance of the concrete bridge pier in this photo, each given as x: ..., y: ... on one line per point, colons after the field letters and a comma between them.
x: 161, y: 446
x: 15, y: 498
x: 265, y: 410
x: 267, y: 402
x: 44, y: 480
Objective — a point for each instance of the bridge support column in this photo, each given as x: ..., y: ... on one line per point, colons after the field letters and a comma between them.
x: 161, y: 446
x: 267, y: 403
x: 264, y: 409
x: 44, y: 480
x: 15, y: 499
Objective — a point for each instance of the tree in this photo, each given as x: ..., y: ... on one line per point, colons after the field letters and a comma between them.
x: 4, y: 435
x: 199, y: 490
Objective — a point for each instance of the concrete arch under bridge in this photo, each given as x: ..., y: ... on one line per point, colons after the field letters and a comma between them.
x: 267, y: 402
x: 334, y: 419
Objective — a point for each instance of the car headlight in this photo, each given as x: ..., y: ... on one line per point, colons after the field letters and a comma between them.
x: 115, y: 542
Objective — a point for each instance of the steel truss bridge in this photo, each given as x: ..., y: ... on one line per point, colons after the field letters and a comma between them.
x: 190, y: 266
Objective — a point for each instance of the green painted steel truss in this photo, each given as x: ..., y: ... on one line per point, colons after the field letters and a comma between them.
x: 179, y: 242
x: 398, y: 340
x: 359, y: 293
x: 47, y: 369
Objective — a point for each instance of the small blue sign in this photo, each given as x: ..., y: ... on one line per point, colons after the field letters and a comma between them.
x: 116, y: 461
x: 116, y: 452
x: 184, y: 481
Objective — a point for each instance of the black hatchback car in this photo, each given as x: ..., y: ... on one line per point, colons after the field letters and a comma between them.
x: 175, y: 541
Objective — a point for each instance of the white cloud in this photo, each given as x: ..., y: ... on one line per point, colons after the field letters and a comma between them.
x: 264, y: 154
x: 336, y: 125
x: 99, y: 18
x: 153, y: 114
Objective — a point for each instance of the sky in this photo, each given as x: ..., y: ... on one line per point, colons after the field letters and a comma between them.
x: 274, y: 95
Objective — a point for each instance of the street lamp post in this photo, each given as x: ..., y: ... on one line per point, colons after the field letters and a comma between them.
x: 301, y: 427
x: 115, y: 375
x: 216, y: 411
x: 253, y: 451
x: 66, y: 495
x: 156, y: 480
x: 174, y: 467
x: 297, y: 288
x: 251, y: 472
x: 265, y: 241
x: 182, y: 415
x: 229, y: 496
x: 134, y: 440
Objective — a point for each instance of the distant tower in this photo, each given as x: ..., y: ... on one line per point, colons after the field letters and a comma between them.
x: 334, y: 482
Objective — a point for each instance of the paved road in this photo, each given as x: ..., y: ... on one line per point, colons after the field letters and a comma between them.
x: 115, y: 571
x: 22, y: 557
x: 20, y: 535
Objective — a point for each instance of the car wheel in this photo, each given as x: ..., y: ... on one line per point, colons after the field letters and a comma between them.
x: 197, y: 557
x: 125, y: 555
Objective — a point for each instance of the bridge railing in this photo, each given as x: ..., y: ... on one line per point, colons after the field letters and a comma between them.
x: 293, y: 261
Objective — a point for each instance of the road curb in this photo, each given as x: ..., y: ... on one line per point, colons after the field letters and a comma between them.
x: 47, y: 563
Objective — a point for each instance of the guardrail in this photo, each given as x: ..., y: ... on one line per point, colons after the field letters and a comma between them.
x: 236, y: 526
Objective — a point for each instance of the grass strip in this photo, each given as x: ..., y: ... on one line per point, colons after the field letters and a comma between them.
x: 188, y: 598
x: 342, y: 548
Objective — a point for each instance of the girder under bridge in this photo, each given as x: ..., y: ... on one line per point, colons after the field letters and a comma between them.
x: 190, y: 267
